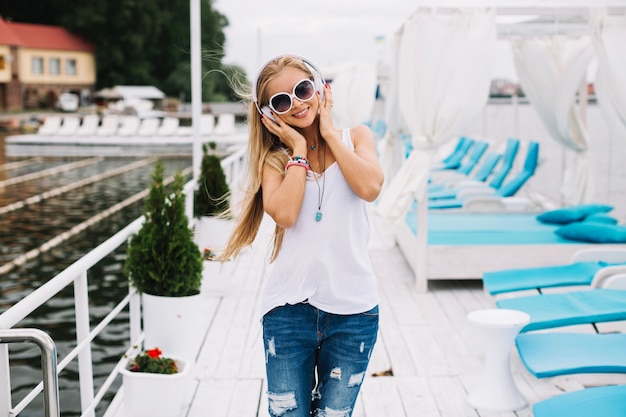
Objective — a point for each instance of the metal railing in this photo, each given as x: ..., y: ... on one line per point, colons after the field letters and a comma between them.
x: 76, y: 274
x: 48, y: 363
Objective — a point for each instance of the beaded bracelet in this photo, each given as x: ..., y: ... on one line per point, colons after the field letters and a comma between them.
x: 298, y: 161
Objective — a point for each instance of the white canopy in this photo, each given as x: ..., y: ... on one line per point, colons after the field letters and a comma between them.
x: 551, y: 71
x: 609, y: 39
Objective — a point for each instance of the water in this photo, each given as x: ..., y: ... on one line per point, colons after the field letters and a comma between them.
x: 29, y: 227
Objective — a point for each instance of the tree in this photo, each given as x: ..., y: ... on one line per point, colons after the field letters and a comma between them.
x: 138, y: 42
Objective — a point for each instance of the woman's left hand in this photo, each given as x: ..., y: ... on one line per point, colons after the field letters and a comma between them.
x: 326, y: 117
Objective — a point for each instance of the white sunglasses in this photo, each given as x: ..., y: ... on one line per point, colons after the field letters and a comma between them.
x: 281, y: 103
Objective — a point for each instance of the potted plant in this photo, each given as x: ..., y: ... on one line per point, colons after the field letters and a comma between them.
x: 164, y: 264
x: 154, y: 385
x: 213, y: 225
x: 211, y: 195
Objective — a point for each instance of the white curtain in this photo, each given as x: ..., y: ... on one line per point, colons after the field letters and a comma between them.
x: 550, y: 72
x: 609, y: 41
x: 443, y: 71
x: 391, y: 146
x: 354, y: 93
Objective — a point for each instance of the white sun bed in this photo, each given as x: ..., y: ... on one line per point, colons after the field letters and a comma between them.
x: 109, y: 125
x: 70, y: 126
x: 89, y: 125
x: 50, y: 126
x: 168, y: 126
x: 129, y: 126
x: 466, y: 245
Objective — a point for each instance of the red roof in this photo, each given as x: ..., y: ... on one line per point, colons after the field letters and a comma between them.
x: 40, y: 36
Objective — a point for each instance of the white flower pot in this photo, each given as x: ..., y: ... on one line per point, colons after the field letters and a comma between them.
x: 150, y: 395
x: 173, y: 325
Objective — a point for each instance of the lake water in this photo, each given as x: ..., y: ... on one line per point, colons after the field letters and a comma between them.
x: 27, y: 228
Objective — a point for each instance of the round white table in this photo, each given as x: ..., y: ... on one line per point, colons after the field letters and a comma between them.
x: 497, y: 329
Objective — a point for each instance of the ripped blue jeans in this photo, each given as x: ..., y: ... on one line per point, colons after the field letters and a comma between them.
x: 316, y: 361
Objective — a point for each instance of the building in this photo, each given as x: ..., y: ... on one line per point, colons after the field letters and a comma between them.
x: 38, y: 63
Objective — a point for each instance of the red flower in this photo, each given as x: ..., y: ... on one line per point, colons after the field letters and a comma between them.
x: 154, y: 353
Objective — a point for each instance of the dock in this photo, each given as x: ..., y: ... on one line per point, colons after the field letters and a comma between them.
x: 425, y: 362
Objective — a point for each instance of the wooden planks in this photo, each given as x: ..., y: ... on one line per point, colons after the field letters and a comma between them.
x: 424, y: 338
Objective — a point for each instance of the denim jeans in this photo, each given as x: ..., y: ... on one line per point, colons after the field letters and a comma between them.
x: 316, y: 361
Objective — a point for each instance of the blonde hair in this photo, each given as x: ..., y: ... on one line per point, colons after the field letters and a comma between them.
x: 264, y: 150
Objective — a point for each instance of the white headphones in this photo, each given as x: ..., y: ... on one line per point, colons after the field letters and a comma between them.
x: 318, y: 81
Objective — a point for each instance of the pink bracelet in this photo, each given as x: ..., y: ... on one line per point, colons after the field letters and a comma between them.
x: 299, y: 161
x: 296, y: 163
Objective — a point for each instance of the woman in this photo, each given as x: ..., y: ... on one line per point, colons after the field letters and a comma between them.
x: 320, y: 307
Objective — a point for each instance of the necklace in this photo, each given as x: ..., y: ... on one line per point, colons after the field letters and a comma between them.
x: 320, y: 191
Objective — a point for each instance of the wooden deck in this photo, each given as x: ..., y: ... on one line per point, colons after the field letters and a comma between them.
x: 425, y: 341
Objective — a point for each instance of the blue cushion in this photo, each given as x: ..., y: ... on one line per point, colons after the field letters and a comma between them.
x: 518, y: 279
x: 552, y: 354
x: 608, y: 401
x: 571, y: 214
x: 569, y: 308
x: 601, y: 218
x: 593, y: 232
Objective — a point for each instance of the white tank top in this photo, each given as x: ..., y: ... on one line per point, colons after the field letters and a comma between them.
x: 326, y: 262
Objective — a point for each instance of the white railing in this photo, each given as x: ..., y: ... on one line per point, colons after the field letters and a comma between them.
x: 76, y: 274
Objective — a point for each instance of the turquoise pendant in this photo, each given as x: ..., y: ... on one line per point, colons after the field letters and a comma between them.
x: 318, y: 216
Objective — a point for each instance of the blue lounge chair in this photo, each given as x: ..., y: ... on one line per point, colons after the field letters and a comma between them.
x: 553, y: 354
x: 439, y: 176
x: 453, y: 160
x: 548, y: 311
x: 607, y: 401
x: 586, y: 266
x: 448, y: 188
x: 507, y: 189
x: 479, y: 180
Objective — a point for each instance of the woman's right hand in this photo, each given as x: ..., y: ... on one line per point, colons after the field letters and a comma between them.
x: 286, y: 134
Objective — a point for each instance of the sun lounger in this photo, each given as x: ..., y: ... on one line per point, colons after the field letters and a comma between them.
x: 70, y: 126
x: 168, y: 126
x: 581, y: 270
x: 467, y: 165
x: 553, y: 354
x: 225, y: 124
x: 507, y: 189
x: 609, y: 401
x: 453, y: 160
x: 149, y: 127
x: 207, y: 124
x: 50, y: 126
x: 480, y: 181
x: 129, y: 125
x: 449, y: 187
x: 548, y: 311
x: 109, y: 125
x: 89, y: 125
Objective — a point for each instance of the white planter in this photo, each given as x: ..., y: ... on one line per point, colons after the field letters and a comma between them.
x: 173, y: 325
x: 150, y: 395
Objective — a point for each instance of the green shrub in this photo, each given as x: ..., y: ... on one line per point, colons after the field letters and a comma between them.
x: 211, y: 196
x: 162, y: 258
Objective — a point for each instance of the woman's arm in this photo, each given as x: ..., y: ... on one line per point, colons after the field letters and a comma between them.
x: 283, y: 195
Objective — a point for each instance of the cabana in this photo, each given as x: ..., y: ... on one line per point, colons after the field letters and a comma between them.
x: 436, y: 100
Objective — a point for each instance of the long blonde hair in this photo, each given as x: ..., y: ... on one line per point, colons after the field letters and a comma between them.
x: 264, y: 149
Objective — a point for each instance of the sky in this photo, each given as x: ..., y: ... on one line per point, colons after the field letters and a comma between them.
x: 327, y: 32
